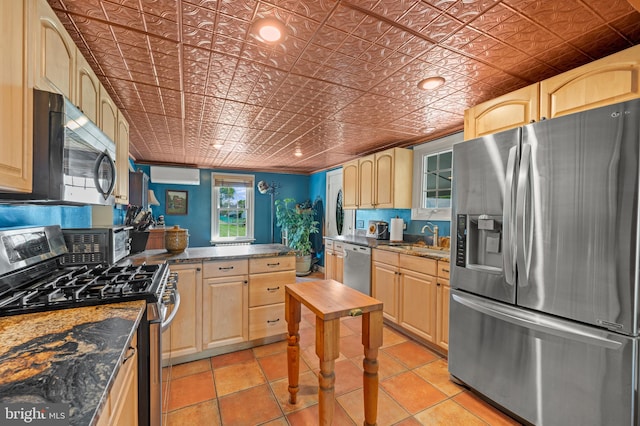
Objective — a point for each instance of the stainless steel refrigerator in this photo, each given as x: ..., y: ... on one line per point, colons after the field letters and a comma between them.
x: 544, y: 304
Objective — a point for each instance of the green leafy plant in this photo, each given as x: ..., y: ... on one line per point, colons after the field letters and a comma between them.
x: 298, y: 222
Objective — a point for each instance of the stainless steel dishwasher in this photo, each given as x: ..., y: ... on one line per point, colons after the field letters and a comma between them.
x: 357, y: 268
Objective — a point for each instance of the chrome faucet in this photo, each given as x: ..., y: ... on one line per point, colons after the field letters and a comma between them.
x: 434, y: 230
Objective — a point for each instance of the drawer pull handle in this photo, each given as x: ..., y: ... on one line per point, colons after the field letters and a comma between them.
x: 273, y: 288
x: 227, y: 268
x: 355, y: 312
x: 131, y: 351
x: 445, y: 270
x: 273, y: 321
x: 273, y: 264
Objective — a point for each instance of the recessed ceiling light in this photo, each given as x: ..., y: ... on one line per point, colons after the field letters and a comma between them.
x: 431, y: 83
x: 217, y: 145
x: 269, y: 30
x: 298, y: 153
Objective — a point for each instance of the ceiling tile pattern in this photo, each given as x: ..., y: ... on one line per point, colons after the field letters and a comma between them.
x: 198, y: 88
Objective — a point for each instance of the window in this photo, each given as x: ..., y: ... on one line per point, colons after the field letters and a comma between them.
x: 232, y: 207
x: 433, y: 171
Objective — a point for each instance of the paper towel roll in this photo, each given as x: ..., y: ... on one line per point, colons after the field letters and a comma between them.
x: 396, y: 229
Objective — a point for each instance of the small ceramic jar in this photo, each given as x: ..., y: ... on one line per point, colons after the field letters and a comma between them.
x: 176, y: 239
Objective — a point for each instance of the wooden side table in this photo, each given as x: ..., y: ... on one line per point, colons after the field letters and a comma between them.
x: 330, y: 300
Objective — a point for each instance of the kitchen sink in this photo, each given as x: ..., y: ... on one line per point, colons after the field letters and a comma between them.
x: 417, y: 250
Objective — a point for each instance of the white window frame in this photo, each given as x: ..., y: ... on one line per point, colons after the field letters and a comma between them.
x: 250, y: 208
x: 419, y: 153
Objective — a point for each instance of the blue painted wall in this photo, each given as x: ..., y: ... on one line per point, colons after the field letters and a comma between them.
x: 198, y: 218
x: 34, y: 215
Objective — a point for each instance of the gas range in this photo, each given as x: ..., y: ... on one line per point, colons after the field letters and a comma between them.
x: 33, y: 278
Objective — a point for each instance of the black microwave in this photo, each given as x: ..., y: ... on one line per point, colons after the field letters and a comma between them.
x: 73, y: 160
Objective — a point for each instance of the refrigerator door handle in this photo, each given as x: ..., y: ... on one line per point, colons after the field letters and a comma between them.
x: 536, y: 322
x: 508, y: 224
x: 521, y: 199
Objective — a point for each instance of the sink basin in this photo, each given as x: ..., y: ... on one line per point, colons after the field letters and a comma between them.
x: 418, y: 250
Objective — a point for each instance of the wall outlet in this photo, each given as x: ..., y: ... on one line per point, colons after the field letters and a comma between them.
x: 359, y: 224
x: 404, y: 226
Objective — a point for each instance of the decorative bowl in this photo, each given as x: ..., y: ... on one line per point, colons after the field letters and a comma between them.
x: 176, y: 239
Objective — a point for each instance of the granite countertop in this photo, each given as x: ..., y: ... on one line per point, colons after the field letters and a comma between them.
x: 68, y: 356
x: 403, y: 247
x: 198, y: 254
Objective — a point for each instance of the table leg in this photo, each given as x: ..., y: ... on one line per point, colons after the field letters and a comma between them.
x: 372, y: 340
x: 327, y: 349
x: 292, y: 315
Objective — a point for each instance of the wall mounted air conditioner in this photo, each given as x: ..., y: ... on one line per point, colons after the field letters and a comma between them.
x: 175, y: 175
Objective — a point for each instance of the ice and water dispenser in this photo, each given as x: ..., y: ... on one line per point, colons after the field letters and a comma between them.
x: 479, y: 242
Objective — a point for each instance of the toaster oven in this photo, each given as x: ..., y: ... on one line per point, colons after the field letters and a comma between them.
x: 100, y: 245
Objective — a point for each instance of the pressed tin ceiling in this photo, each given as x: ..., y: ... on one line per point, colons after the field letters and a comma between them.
x: 198, y: 88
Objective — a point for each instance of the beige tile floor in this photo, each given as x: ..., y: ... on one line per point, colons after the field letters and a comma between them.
x: 249, y: 387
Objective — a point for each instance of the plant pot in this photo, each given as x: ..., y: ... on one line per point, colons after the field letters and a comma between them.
x: 303, y: 265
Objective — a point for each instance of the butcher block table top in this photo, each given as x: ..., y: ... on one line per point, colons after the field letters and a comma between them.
x: 329, y: 299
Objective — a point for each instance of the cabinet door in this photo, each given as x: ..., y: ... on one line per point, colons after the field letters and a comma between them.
x: 184, y: 336
x: 366, y: 170
x: 125, y: 408
x: 383, y: 180
x: 108, y: 115
x: 339, y: 267
x: 508, y: 111
x: 87, y: 89
x: 384, y: 287
x: 615, y: 78
x: 329, y: 265
x: 15, y: 99
x: 225, y: 311
x: 442, y: 334
x: 121, y: 190
x: 350, y: 188
x: 54, y: 52
x: 418, y: 304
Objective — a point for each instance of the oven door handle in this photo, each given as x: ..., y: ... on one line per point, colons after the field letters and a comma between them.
x: 176, y: 306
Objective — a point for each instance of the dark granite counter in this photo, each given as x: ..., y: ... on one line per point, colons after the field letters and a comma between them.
x: 68, y: 356
x: 198, y: 254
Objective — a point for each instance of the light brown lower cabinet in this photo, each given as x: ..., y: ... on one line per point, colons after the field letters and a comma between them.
x: 184, y: 336
x: 227, y: 305
x: 121, y: 407
x: 414, y: 296
x: 224, y: 303
x: 334, y: 261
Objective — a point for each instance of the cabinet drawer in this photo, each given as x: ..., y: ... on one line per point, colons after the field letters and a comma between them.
x: 419, y: 264
x: 266, y: 321
x: 385, y: 256
x: 328, y: 244
x: 221, y: 268
x: 442, y: 281
x: 265, y: 289
x: 338, y: 248
x: 443, y: 269
x: 272, y: 264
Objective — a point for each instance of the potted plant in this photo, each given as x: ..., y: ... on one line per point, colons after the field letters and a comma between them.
x: 297, y: 223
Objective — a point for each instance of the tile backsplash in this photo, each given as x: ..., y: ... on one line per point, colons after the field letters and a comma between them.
x: 12, y: 216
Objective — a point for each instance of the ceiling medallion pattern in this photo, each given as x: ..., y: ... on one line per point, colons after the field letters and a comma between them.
x: 198, y: 87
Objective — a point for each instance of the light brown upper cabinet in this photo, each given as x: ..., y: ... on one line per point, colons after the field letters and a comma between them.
x: 350, y: 185
x: 121, y: 190
x: 511, y: 110
x: 87, y: 89
x: 15, y: 99
x: 615, y: 78
x: 55, y: 52
x: 381, y: 180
